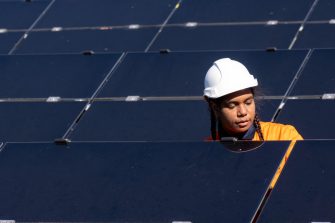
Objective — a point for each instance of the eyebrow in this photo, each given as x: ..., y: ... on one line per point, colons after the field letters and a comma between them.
x: 232, y: 101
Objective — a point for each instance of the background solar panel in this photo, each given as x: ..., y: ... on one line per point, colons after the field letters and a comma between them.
x: 182, y: 74
x: 115, y: 40
x: 203, y: 11
x: 20, y: 14
x: 86, y: 13
x: 318, y: 76
x: 310, y: 117
x: 8, y: 40
x: 41, y: 76
x: 152, y: 121
x: 27, y: 122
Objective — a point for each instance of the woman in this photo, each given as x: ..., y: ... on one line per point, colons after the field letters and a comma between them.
x: 229, y: 91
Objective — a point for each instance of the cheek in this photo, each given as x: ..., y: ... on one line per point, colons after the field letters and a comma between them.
x: 227, y: 115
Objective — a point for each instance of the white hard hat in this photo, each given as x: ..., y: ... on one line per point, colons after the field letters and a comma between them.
x: 227, y: 76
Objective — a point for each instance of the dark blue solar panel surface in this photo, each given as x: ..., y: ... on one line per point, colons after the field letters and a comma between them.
x: 324, y: 10
x: 152, y: 121
x: 106, y: 13
x: 26, y: 122
x: 318, y: 75
x: 8, y: 40
x: 324, y: 38
x: 225, y: 37
x: 42, y: 76
x: 305, y: 190
x: 20, y: 14
x: 312, y: 118
x: 240, y: 11
x: 116, y: 40
x: 134, y: 182
x: 182, y: 74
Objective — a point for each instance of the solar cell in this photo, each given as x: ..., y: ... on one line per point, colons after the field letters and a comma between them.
x: 310, y: 117
x: 318, y: 76
x: 27, y: 122
x: 317, y: 36
x: 20, y: 14
x: 240, y: 11
x: 76, y: 41
x: 182, y: 73
x: 8, y: 40
x: 305, y: 190
x: 85, y: 13
x: 134, y: 182
x: 41, y: 76
x: 152, y: 121
x: 324, y: 10
x: 241, y: 37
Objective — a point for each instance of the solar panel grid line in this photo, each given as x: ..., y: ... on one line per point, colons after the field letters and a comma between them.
x: 293, y: 82
x: 145, y: 26
x: 162, y: 27
x: 303, y: 24
x: 25, y: 35
x: 157, y: 98
x: 91, y: 100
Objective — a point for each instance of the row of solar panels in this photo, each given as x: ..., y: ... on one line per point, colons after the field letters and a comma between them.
x: 165, y: 182
x: 101, y: 26
x: 91, y: 94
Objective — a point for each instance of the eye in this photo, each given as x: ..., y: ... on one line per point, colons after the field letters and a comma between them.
x: 249, y: 101
x: 231, y: 105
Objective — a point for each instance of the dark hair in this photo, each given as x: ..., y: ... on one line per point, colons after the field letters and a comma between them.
x: 215, y: 124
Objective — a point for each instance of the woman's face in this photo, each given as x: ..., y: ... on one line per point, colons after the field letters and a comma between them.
x: 237, y: 112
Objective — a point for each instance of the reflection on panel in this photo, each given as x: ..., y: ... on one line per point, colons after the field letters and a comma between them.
x: 151, y: 121
x: 41, y: 76
x: 115, y: 40
x: 305, y: 190
x: 36, y: 121
x: 182, y: 74
x: 225, y: 37
x: 312, y: 118
x: 134, y: 182
x: 85, y: 13
x: 240, y: 11
x: 318, y: 75
x: 20, y: 14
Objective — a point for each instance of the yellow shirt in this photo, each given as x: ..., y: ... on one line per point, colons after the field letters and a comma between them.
x: 276, y: 131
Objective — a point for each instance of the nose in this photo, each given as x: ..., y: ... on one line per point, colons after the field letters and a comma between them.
x: 242, y: 111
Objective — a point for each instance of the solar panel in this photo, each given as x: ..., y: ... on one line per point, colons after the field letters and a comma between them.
x: 317, y: 77
x: 81, y: 13
x: 324, y: 10
x: 325, y: 38
x: 225, y: 37
x: 8, y: 40
x: 240, y: 11
x: 308, y: 116
x: 152, y: 121
x: 305, y: 190
x: 28, y: 121
x: 134, y: 182
x: 20, y: 14
x: 41, y: 76
x: 98, y: 40
x: 182, y: 73
x: 131, y: 73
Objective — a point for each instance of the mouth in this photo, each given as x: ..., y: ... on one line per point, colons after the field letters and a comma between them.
x: 243, y: 123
